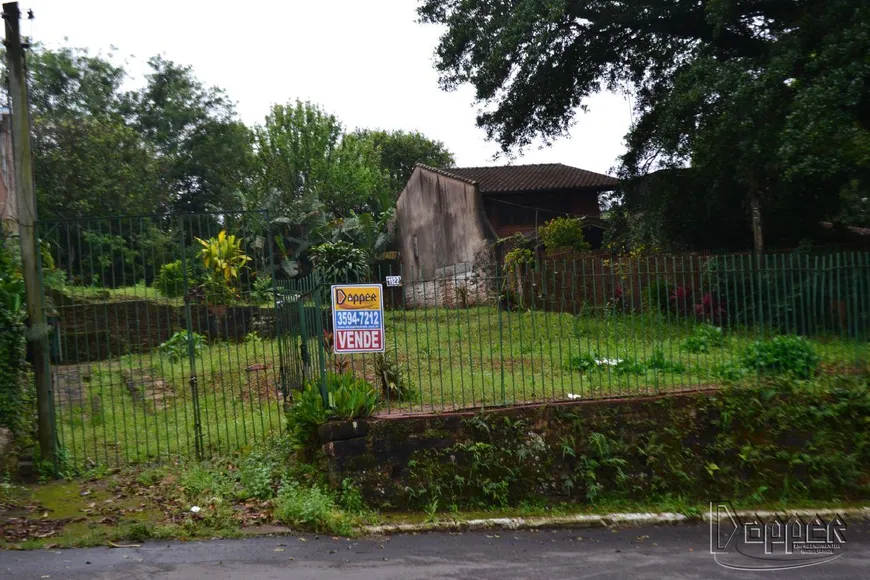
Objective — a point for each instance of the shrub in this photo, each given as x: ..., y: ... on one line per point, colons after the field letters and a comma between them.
x: 306, y: 414
x: 658, y: 296
x: 786, y: 354
x: 255, y: 476
x: 310, y: 507
x: 340, y: 262
x: 351, y: 498
x: 177, y: 347
x: 262, y: 291
x: 517, y: 258
x: 729, y: 372
x: 583, y: 362
x: 349, y: 398
x: 705, y: 337
x: 563, y: 233
x: 658, y: 361
x: 170, y: 279
x: 629, y: 366
x: 223, y: 256
x: 392, y: 380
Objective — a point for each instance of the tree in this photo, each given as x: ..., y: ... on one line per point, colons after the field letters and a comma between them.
x: 400, y: 151
x: 765, y: 99
x: 205, y: 153
x: 88, y: 160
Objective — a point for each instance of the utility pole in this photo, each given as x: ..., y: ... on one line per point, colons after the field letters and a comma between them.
x: 26, y: 192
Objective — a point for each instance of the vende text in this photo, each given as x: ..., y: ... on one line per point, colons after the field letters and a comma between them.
x: 358, y: 340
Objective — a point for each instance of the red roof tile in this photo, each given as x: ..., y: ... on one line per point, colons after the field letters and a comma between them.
x: 516, y: 178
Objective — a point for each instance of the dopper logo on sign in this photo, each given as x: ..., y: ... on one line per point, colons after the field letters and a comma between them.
x: 347, y: 299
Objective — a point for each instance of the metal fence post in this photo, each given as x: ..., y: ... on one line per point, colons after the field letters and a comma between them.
x: 191, y: 349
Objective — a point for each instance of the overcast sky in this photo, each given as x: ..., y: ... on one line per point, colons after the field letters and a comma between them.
x: 367, y: 61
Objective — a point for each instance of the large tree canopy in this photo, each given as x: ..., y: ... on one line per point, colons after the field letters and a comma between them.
x: 176, y: 145
x: 400, y: 151
x: 88, y: 160
x: 767, y: 100
x: 203, y: 149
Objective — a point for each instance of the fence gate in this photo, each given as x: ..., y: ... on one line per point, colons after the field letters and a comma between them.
x: 159, y: 353
x: 302, y: 332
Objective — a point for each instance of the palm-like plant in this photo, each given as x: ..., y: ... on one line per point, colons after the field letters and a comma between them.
x: 223, y: 255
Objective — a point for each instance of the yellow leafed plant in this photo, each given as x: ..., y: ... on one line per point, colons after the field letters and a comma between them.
x: 223, y: 255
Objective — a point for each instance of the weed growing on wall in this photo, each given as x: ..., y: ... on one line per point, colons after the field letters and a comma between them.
x: 782, y: 440
x: 16, y: 396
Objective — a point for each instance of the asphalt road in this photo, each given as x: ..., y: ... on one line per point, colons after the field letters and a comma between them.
x: 680, y: 552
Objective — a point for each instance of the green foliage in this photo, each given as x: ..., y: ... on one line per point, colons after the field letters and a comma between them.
x: 584, y: 362
x: 299, y: 148
x: 517, y: 259
x: 310, y: 507
x: 629, y: 366
x: 563, y: 233
x: 223, y: 256
x: 103, y: 150
x: 704, y: 338
x: 658, y: 361
x: 340, y: 262
x: 262, y: 291
x: 784, y: 354
x: 306, y: 414
x: 780, y: 440
x: 203, y: 152
x: 350, y: 498
x: 393, y: 382
x: 730, y: 372
x: 400, y: 151
x: 743, y: 107
x: 16, y: 396
x: 349, y: 398
x: 177, y: 346
x: 658, y: 296
x: 257, y: 474
x: 483, y: 472
x: 170, y: 279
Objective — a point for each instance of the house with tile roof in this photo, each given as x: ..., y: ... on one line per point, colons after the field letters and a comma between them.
x: 445, y: 218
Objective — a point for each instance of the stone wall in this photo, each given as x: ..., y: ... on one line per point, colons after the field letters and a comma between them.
x: 453, y: 286
x: 802, y: 443
x: 376, y: 453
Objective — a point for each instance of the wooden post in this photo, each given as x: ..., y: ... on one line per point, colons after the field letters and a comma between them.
x: 26, y: 192
x: 757, y: 226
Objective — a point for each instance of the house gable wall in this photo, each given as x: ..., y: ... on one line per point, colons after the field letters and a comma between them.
x: 440, y: 222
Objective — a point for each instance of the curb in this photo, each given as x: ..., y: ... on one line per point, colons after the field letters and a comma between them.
x: 593, y: 521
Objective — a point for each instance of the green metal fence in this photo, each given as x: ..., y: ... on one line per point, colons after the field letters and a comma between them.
x: 157, y: 355
x: 566, y: 328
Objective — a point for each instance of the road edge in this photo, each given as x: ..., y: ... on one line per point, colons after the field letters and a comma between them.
x: 630, y: 519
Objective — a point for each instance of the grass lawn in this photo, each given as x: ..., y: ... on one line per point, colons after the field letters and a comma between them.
x: 141, y: 408
x: 480, y: 356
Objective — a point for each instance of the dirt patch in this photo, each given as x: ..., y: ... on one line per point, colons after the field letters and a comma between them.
x: 69, y: 384
x: 143, y: 387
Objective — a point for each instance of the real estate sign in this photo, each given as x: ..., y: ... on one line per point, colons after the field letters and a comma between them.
x: 357, y: 318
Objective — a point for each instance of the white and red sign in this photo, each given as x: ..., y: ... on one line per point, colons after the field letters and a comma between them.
x: 357, y: 318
